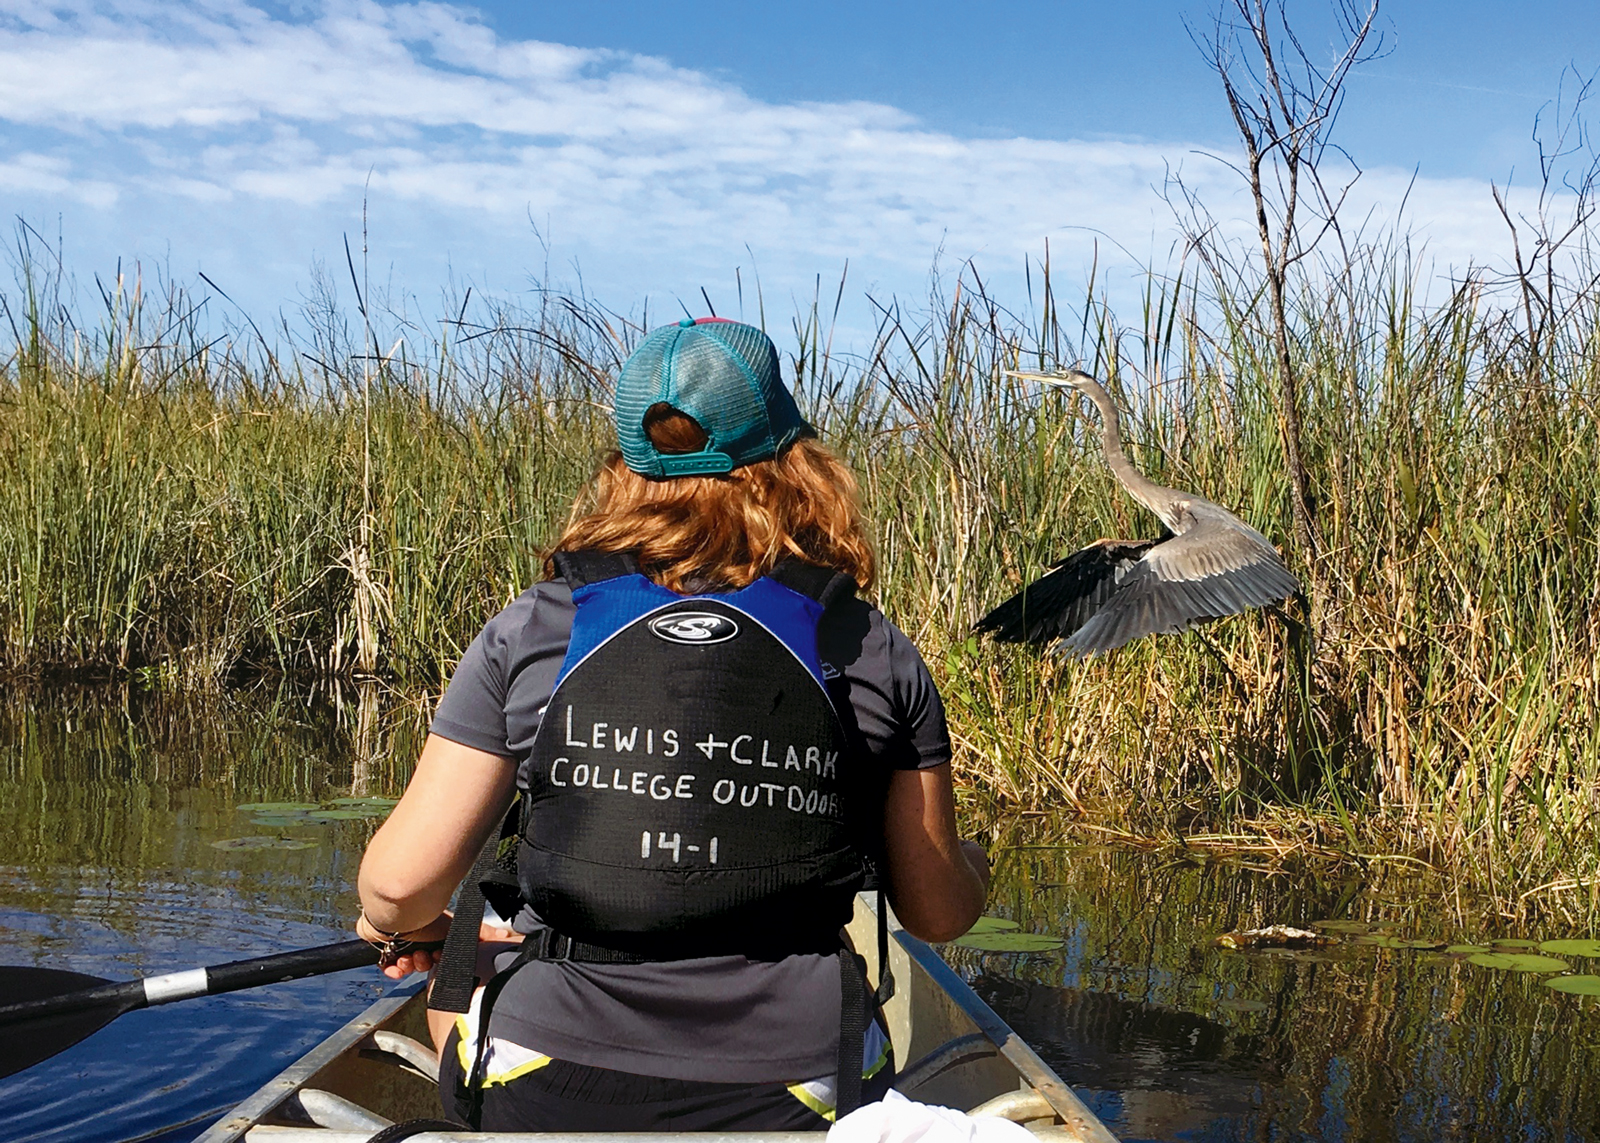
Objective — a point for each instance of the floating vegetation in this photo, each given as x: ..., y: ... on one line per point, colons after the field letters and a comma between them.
x: 280, y: 821
x: 1381, y: 941
x: 284, y: 814
x: 1576, y: 985
x: 1518, y: 962
x: 1009, y: 942
x: 1274, y: 937
x: 997, y: 934
x: 1589, y: 948
x: 1511, y: 954
x: 262, y: 843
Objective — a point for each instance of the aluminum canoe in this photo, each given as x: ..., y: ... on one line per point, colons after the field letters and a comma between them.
x: 377, y: 1069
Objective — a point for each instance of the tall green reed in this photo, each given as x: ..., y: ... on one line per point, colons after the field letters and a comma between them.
x: 187, y: 509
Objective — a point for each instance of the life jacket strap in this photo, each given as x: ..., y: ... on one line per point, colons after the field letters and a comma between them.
x: 454, y: 982
x: 825, y: 585
x: 549, y: 945
x: 581, y: 568
x: 852, y: 1029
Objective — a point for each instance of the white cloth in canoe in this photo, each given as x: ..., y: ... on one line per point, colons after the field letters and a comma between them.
x: 896, y: 1119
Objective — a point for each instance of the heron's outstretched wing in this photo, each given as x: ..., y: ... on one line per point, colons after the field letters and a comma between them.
x: 1057, y: 604
x: 1219, y: 567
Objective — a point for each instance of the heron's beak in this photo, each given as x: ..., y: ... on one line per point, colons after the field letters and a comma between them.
x: 1062, y: 380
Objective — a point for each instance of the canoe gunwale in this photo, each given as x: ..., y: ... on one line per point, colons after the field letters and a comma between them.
x: 1075, y: 1115
x: 250, y: 1113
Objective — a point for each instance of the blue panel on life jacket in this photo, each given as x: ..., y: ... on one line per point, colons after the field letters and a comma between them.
x: 606, y: 607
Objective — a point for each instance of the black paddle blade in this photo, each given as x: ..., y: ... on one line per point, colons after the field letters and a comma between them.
x: 46, y: 1010
x: 26, y: 1043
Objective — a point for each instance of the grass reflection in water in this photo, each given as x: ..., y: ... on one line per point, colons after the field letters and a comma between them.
x: 112, y: 805
x: 1173, y: 1038
x: 125, y: 850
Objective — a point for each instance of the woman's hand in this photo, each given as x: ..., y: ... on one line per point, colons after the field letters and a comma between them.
x: 412, y: 960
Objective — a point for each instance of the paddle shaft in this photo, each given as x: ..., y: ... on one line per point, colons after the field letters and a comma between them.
x: 127, y: 995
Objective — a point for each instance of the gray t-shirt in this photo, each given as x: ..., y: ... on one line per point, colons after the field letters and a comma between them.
x: 724, y: 1019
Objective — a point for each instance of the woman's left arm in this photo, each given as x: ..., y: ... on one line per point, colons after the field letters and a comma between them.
x: 455, y: 798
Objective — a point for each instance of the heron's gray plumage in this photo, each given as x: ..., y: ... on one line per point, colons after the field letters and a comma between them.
x: 1212, y: 564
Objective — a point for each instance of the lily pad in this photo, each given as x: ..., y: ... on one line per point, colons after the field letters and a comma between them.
x: 1242, y: 1005
x: 991, y: 925
x: 1577, y: 985
x: 1385, y: 942
x: 1463, y: 950
x: 1571, y: 948
x: 276, y: 807
x: 1518, y: 962
x: 378, y: 800
x: 262, y: 843
x: 1009, y: 942
x: 340, y: 815
x: 1343, y: 926
x: 280, y: 821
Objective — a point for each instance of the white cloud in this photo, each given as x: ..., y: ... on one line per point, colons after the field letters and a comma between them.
x: 44, y: 174
x: 642, y: 168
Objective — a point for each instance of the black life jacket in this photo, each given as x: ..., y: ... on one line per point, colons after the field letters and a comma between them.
x: 692, y: 789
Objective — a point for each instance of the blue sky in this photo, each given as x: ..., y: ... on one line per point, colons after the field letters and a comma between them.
x: 654, y: 149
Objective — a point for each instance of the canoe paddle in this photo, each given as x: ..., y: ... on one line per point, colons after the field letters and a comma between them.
x: 47, y: 1010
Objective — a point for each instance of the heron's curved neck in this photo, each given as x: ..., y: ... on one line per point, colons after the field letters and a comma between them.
x: 1139, y: 486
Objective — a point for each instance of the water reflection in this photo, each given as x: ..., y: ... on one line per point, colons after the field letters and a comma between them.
x: 1172, y: 1038
x: 109, y: 804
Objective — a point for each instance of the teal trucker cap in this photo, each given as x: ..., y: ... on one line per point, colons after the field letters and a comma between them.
x: 722, y: 373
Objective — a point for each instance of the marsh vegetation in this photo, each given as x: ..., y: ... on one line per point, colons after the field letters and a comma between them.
x: 188, y: 510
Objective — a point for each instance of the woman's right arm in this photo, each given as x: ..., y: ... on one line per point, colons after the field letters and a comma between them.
x: 937, y: 882
x: 456, y: 797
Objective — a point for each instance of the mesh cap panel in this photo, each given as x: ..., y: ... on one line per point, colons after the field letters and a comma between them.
x: 723, y: 374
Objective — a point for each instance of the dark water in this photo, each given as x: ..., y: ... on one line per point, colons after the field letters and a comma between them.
x: 110, y: 803
x: 1169, y: 1037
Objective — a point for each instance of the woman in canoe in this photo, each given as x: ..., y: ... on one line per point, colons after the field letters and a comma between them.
x: 716, y: 745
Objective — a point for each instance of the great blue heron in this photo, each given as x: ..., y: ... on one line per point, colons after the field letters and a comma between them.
x: 1212, y: 564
